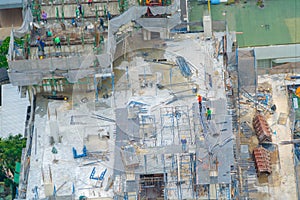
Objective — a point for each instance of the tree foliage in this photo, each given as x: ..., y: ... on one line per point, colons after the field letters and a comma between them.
x: 4, y: 50
x: 10, y: 153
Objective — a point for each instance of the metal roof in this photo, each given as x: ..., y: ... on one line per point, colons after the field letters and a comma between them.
x: 278, y: 51
x: 7, y: 4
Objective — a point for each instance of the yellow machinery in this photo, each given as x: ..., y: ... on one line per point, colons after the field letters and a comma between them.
x: 153, y: 2
x: 297, y: 93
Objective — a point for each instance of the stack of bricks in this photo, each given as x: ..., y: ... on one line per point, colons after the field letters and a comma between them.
x: 262, y: 161
x: 262, y: 129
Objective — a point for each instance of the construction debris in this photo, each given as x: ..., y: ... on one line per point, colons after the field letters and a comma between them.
x: 183, y: 66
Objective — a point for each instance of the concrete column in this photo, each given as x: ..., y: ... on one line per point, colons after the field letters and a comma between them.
x: 212, y: 191
x: 146, y: 34
x: 54, y: 130
x: 207, y: 25
x: 164, y: 34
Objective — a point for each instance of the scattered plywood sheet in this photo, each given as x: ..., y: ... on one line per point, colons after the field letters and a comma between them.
x: 129, y: 156
x: 49, y: 189
x: 132, y: 196
x: 282, y: 118
x: 130, y: 176
x: 95, y: 143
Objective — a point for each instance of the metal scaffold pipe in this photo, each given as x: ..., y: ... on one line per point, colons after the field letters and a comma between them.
x: 62, y: 13
x: 57, y: 13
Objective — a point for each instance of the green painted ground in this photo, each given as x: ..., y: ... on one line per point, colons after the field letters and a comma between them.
x: 195, y: 14
x: 277, y: 23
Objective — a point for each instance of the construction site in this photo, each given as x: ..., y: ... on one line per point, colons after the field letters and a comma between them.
x: 114, y: 105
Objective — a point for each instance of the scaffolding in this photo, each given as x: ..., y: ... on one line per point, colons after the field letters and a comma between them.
x: 179, y: 170
x: 167, y: 133
x: 36, y: 10
x: 175, y: 120
x: 172, y: 178
x: 123, y: 5
x: 148, y: 130
x: 183, y: 123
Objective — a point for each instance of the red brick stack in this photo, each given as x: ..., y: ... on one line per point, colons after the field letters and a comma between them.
x: 262, y: 161
x: 262, y: 129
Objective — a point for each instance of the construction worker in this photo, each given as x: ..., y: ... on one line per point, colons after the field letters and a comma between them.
x: 40, y: 44
x: 74, y: 22
x: 44, y: 17
x: 49, y: 33
x: 102, y: 23
x: 108, y: 15
x: 79, y: 8
x: 77, y: 12
x: 183, y: 142
x: 57, y: 42
x: 199, y: 98
x: 208, y: 114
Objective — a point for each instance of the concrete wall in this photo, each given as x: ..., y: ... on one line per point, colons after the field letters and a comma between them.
x: 11, y: 16
x: 69, y: 10
x: 246, y: 70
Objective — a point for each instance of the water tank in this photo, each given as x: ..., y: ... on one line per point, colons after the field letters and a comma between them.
x: 215, y: 1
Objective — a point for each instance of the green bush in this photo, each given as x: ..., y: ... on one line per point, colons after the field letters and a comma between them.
x: 4, y: 50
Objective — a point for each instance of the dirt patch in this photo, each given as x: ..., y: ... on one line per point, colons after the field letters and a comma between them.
x: 259, y: 195
x: 274, y: 157
x: 253, y: 143
x: 282, y: 118
x: 274, y: 179
x: 263, y: 179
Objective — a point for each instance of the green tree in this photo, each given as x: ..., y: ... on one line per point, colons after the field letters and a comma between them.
x: 10, y: 153
x: 4, y: 50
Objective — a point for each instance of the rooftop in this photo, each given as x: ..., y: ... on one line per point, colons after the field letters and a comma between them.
x: 277, y: 23
x: 4, y: 4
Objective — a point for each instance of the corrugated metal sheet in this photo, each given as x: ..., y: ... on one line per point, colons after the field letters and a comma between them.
x: 278, y: 51
x: 285, y: 60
